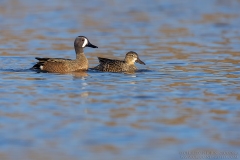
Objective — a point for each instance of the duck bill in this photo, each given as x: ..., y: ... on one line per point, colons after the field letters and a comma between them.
x: 91, y: 45
x: 140, y: 62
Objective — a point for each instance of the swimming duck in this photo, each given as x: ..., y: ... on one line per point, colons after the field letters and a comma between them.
x: 61, y: 65
x: 127, y: 65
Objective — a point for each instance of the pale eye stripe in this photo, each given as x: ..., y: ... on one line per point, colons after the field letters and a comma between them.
x: 85, y: 42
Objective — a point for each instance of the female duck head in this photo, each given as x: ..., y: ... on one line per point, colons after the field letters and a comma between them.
x: 132, y: 57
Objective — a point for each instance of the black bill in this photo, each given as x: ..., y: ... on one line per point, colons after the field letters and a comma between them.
x: 91, y: 45
x: 139, y: 61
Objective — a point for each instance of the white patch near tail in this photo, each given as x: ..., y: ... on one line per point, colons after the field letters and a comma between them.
x: 41, y: 67
x: 85, y: 42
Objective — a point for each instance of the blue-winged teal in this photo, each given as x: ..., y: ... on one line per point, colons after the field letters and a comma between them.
x: 127, y: 65
x: 61, y: 65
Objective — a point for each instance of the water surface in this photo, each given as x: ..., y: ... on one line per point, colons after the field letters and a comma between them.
x: 185, y: 99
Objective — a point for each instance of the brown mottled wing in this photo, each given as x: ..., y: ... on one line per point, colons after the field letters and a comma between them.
x: 51, y: 59
x: 52, y: 64
x: 103, y: 60
x: 109, y: 65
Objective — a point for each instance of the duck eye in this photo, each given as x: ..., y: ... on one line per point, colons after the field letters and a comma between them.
x: 82, y: 39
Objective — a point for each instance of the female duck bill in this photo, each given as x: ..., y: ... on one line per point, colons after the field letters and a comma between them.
x: 139, y: 61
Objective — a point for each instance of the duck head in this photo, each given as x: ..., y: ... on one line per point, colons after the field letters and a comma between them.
x: 132, y: 57
x: 82, y: 42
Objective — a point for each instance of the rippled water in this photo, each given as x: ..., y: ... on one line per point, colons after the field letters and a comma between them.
x: 185, y: 99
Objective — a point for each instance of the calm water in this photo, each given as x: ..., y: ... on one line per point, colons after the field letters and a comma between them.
x: 187, y: 97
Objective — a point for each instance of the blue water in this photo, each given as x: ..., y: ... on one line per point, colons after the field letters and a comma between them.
x: 186, y: 98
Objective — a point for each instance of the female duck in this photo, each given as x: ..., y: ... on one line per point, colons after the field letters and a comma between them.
x: 127, y: 65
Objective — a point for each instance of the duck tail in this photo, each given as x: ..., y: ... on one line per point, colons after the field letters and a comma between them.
x: 39, y: 64
x: 36, y: 66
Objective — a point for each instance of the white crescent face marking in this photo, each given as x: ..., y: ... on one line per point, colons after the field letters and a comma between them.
x: 85, y: 42
x: 41, y: 67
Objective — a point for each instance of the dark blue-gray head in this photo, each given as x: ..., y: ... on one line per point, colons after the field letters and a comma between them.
x: 82, y: 42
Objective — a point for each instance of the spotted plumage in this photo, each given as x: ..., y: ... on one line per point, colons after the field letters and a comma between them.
x: 126, y: 65
x: 61, y: 65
